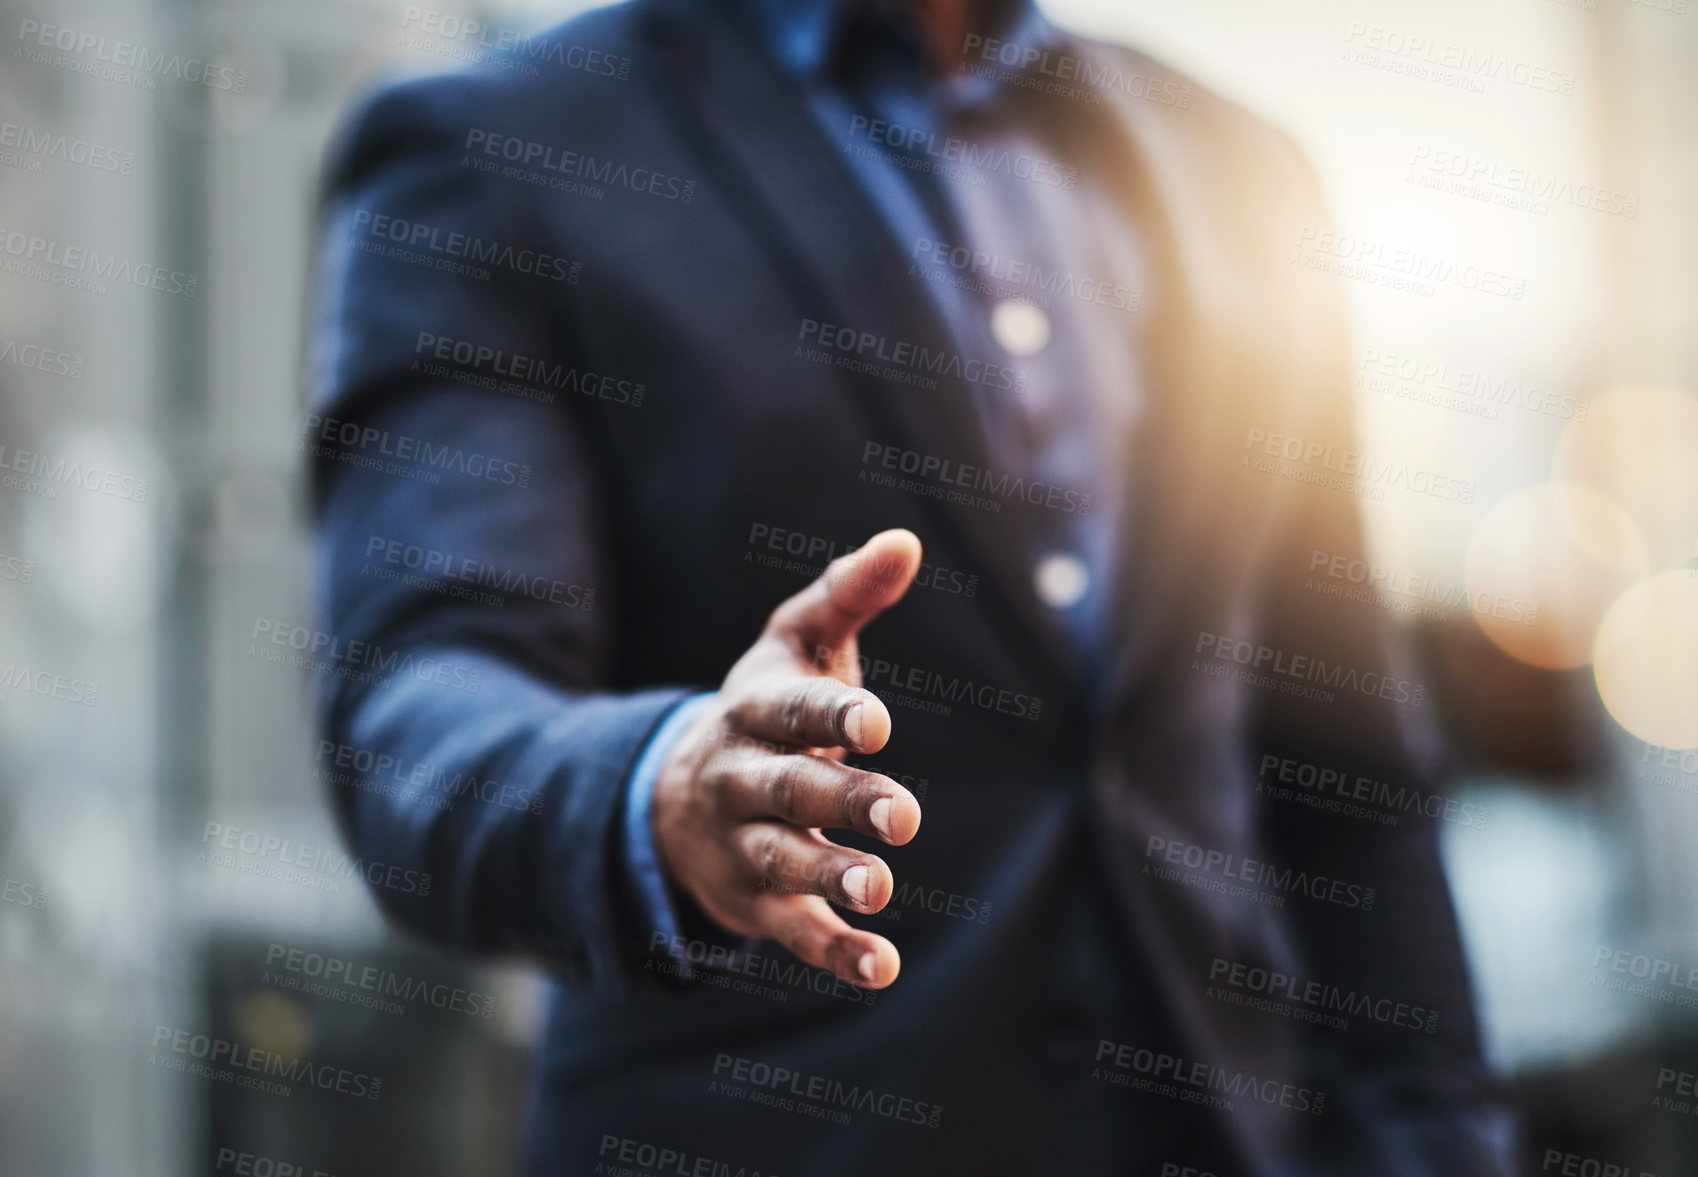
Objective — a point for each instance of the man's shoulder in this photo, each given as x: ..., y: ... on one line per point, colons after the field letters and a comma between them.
x: 578, y: 68
x: 1187, y: 111
x: 1235, y: 171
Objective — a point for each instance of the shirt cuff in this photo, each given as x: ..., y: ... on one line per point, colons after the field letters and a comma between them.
x: 642, y: 861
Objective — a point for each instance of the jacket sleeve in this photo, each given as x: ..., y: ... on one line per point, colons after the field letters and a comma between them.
x: 1414, y: 1080
x: 466, y: 587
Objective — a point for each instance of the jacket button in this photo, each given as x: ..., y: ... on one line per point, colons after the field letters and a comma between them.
x: 1020, y: 328
x: 1061, y: 579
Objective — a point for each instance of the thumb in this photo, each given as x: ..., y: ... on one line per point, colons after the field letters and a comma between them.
x: 849, y: 593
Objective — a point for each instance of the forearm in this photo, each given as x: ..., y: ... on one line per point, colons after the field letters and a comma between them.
x: 508, y: 797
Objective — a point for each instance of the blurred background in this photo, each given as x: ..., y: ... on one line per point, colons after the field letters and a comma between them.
x: 1513, y: 184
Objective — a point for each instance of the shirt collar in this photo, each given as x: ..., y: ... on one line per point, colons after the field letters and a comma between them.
x: 802, y: 35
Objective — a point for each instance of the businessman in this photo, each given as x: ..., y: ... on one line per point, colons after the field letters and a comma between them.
x: 828, y: 510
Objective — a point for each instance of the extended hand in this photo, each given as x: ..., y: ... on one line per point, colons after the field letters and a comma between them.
x: 742, y: 798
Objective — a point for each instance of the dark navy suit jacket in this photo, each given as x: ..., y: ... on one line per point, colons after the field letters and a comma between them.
x: 554, y: 400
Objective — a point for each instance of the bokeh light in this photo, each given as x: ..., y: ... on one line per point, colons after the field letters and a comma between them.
x: 1567, y: 551
x: 1639, y: 446
x: 1646, y: 661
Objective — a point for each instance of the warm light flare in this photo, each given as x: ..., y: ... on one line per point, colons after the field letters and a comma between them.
x: 1639, y: 446
x: 1565, y: 550
x: 1646, y: 661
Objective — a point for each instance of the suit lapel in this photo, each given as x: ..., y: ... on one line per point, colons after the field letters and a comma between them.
x: 753, y: 133
x: 1168, y: 513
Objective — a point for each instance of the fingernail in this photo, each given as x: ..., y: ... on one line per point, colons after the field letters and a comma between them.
x: 856, y: 881
x: 879, y: 815
x: 854, y: 726
x: 867, y: 966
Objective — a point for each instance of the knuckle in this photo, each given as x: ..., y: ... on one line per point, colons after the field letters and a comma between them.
x: 855, y: 799
x: 795, y: 714
x: 714, y: 781
x: 841, y: 949
x: 787, y: 785
x: 742, y: 709
x: 819, y: 874
x: 768, y: 855
x: 826, y: 706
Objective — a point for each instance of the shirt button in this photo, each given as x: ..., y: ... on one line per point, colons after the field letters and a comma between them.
x: 1021, y: 328
x: 1061, y: 580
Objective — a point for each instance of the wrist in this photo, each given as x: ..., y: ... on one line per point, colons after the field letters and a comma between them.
x: 672, y: 786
